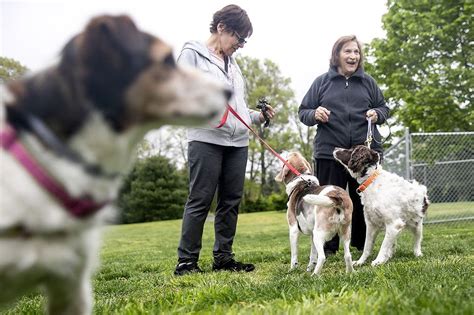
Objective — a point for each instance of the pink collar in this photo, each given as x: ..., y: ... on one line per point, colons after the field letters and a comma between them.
x: 78, y: 207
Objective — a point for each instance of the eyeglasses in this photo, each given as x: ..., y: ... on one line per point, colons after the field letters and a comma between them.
x: 240, y: 39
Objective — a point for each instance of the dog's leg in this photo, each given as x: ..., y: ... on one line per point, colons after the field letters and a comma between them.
x: 70, y: 298
x: 418, y: 234
x: 312, y: 257
x: 387, y: 249
x: 319, y: 237
x: 345, y: 235
x: 370, y: 236
x: 294, y: 235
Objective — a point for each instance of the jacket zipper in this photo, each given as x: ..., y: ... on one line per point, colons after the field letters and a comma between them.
x: 349, y: 111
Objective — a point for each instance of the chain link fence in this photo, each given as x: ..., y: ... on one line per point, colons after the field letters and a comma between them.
x: 444, y: 163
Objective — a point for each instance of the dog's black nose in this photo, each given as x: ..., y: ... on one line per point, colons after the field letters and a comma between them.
x: 227, y: 93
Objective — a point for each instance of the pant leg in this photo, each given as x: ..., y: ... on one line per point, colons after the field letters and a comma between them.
x: 330, y: 172
x: 229, y: 194
x: 204, y: 170
x: 358, y: 220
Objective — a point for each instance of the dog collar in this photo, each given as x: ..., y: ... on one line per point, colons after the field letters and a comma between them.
x: 79, y: 207
x: 368, y: 181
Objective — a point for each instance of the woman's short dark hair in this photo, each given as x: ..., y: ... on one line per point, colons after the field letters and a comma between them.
x: 234, y: 18
x: 336, y: 49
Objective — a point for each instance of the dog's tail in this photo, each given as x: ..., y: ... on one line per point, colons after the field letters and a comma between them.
x: 319, y: 200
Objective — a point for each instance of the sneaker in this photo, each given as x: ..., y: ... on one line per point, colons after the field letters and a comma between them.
x: 187, y: 267
x: 233, y: 265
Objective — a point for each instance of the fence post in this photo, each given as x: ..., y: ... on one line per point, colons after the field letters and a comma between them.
x: 407, y: 154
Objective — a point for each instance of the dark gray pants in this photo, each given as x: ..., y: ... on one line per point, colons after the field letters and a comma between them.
x: 330, y: 172
x: 212, y: 167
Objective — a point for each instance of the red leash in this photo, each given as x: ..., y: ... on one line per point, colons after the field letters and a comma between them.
x: 292, y: 169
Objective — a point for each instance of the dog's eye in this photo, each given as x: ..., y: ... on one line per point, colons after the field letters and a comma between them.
x: 169, y: 60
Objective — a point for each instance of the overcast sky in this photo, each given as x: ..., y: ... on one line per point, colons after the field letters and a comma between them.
x: 297, y: 35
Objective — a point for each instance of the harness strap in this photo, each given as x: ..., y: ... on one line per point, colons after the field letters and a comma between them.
x: 79, y: 207
x: 292, y: 169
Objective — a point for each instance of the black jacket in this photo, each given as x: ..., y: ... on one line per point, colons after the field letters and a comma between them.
x: 348, y: 101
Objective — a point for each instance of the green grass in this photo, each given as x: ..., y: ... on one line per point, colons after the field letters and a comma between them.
x: 138, y: 260
x: 450, y: 210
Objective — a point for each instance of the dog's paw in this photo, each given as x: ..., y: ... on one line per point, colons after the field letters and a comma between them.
x: 310, y: 267
x: 378, y: 262
x: 293, y: 266
x: 359, y: 262
x: 418, y: 253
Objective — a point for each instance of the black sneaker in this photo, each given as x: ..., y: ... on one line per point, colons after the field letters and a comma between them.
x: 233, y: 265
x: 187, y: 267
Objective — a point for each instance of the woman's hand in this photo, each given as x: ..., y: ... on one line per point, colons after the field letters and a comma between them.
x: 372, y: 115
x: 322, y: 114
x: 270, y: 113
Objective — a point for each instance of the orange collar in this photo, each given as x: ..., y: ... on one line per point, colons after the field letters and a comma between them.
x: 368, y: 181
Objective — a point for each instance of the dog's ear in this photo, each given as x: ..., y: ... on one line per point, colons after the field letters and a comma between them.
x: 375, y: 156
x: 308, y: 166
x: 112, y: 42
x: 281, y: 176
x: 110, y: 54
x: 361, y: 158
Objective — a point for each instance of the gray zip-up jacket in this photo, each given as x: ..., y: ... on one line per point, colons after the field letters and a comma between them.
x: 233, y: 132
x: 348, y: 100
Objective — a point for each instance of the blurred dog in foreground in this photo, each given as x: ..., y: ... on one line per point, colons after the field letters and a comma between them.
x: 67, y: 135
x: 318, y: 211
x: 390, y: 202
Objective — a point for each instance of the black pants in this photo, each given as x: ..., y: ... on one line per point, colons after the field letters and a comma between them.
x: 212, y: 167
x: 330, y: 172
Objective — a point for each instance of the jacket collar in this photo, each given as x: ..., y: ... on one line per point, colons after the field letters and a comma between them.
x: 333, y: 73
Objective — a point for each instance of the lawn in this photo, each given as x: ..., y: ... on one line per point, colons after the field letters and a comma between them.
x: 450, y: 210
x: 138, y: 261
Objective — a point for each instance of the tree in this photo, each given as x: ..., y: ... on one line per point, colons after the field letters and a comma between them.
x: 154, y: 190
x: 425, y: 63
x: 10, y: 69
x: 264, y: 79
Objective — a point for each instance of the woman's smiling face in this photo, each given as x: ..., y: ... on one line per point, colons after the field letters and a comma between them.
x: 349, y: 58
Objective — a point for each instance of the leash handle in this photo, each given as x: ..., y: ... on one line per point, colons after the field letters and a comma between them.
x: 292, y: 169
x: 368, y: 140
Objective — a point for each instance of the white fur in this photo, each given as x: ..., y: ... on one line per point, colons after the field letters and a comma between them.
x: 392, y: 203
x: 313, y: 223
x: 60, y: 251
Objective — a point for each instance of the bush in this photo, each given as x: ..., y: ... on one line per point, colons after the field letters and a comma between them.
x: 154, y: 190
x: 274, y: 202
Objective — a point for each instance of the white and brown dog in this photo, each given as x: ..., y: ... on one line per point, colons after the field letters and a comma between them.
x: 390, y: 202
x: 318, y: 211
x: 68, y: 135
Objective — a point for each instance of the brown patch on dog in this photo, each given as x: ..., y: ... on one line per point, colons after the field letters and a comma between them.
x: 296, y: 160
x: 426, y: 203
x: 295, y: 200
x: 361, y: 158
x: 343, y: 155
x: 342, y: 203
